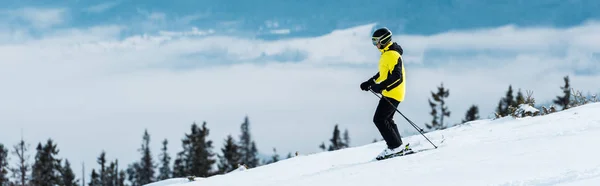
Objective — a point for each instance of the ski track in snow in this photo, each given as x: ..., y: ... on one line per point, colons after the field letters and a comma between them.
x: 556, y: 149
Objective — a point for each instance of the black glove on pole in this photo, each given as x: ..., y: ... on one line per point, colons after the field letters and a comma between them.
x: 413, y: 124
x: 367, y: 85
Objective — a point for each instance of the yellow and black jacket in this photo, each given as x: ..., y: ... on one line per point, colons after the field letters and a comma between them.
x: 391, y: 73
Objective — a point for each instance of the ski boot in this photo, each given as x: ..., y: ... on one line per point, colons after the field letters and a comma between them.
x: 390, y: 153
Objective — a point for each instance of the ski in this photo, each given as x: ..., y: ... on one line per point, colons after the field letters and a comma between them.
x: 407, y: 151
x: 400, y: 154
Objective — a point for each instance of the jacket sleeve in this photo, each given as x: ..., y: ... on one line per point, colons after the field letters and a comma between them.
x: 390, y: 70
x: 375, y: 77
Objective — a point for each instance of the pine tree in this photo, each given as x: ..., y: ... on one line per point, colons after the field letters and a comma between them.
x: 196, y: 158
x: 520, y: 98
x: 95, y: 179
x: 46, y: 168
x: 472, y: 114
x: 500, y: 108
x: 114, y: 177
x: 275, y: 156
x: 444, y: 109
x: 254, y: 152
x: 564, y: 100
x: 147, y: 163
x: 322, y: 146
x: 37, y: 173
x: 142, y: 172
x: 3, y: 166
x: 179, y: 169
x: 165, y: 170
x: 346, y: 139
x: 510, y: 99
x: 68, y: 176
x: 202, y: 166
x: 289, y: 155
x: 101, y: 160
x: 248, y: 146
x: 133, y: 174
x: 506, y: 103
x: 108, y: 173
x: 111, y: 174
x: 439, y: 97
x: 121, y: 179
x: 23, y: 167
x: 336, y: 140
x: 434, y: 122
x: 114, y: 173
x: 231, y: 156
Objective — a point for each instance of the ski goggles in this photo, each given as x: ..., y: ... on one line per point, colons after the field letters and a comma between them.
x: 377, y: 40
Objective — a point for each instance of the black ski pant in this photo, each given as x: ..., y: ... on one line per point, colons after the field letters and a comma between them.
x: 384, y: 121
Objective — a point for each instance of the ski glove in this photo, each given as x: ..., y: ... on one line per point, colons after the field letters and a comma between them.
x: 366, y: 85
x: 377, y: 88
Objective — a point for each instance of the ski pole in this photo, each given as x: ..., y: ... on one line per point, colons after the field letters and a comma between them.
x: 409, y: 121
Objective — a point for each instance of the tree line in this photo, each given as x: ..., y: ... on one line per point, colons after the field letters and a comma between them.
x: 508, y: 105
x: 47, y: 169
x: 198, y: 158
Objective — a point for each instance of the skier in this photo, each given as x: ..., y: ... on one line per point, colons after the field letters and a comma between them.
x: 390, y: 82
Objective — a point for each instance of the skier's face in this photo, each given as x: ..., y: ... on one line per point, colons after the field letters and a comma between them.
x: 375, y: 41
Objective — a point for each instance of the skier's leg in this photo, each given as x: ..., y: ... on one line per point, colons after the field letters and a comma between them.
x: 393, y: 124
x: 379, y: 118
x: 396, y: 132
x: 382, y: 120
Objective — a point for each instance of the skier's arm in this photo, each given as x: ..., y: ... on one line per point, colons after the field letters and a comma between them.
x: 375, y: 77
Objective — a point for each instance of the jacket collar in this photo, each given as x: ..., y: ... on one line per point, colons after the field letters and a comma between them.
x: 386, y: 48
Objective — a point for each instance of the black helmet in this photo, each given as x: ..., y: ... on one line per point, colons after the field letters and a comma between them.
x: 382, y: 36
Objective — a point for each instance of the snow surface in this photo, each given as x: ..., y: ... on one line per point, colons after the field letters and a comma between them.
x: 173, y: 181
x: 527, y: 108
x: 556, y: 149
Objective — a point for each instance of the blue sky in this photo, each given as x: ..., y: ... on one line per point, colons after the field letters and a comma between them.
x: 81, y: 71
x: 256, y: 17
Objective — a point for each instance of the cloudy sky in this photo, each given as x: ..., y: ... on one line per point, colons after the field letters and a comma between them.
x: 93, y: 75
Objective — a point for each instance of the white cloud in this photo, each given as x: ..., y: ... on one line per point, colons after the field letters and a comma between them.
x: 39, y: 17
x: 102, y: 7
x: 272, y: 24
x: 91, y: 91
x: 157, y: 16
x: 195, y: 32
x: 189, y: 18
x: 543, y: 41
x: 281, y: 31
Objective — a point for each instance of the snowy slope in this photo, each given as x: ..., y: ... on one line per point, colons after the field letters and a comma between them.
x: 173, y: 181
x: 557, y: 149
